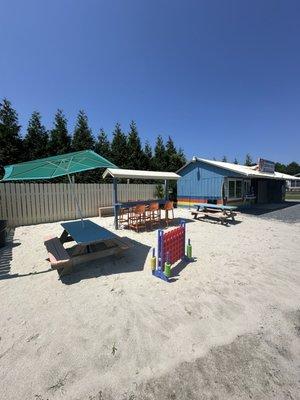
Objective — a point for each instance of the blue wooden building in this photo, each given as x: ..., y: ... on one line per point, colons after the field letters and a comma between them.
x: 226, y: 183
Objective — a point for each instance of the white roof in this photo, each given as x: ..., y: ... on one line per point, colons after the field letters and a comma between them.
x: 250, y: 172
x: 139, y: 174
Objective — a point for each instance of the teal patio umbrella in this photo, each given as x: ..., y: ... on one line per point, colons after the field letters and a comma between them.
x: 53, y: 167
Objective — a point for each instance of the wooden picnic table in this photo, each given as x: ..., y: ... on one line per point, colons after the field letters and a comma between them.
x: 85, y: 233
x: 92, y: 242
x: 219, y: 211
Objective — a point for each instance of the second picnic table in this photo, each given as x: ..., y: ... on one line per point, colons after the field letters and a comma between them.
x: 209, y: 209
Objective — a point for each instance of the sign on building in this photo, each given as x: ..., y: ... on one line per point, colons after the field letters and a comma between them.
x: 266, y: 166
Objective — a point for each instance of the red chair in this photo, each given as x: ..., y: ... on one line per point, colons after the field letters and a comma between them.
x: 153, y: 215
x: 137, y: 217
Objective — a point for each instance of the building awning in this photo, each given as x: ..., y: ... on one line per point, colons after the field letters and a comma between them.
x: 139, y: 174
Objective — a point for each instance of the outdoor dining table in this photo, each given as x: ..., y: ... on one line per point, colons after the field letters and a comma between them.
x: 85, y: 233
x: 131, y: 204
x: 92, y: 240
x: 224, y: 211
x: 205, y: 206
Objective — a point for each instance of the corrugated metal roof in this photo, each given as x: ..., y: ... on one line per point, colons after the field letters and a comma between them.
x: 244, y: 170
x: 139, y: 174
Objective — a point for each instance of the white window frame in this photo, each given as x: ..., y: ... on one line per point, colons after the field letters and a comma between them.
x: 242, y: 188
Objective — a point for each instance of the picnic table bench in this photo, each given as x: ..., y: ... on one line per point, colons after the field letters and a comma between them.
x: 92, y: 242
x: 59, y: 258
x: 215, y: 211
x: 106, y: 211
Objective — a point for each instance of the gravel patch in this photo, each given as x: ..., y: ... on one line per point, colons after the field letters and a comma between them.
x: 288, y: 212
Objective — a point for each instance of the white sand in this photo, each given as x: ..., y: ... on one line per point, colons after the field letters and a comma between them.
x: 227, y: 328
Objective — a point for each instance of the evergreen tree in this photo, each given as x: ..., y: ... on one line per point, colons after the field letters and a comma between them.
x: 147, y: 151
x: 60, y: 141
x: 248, y: 160
x: 102, y: 146
x: 224, y: 159
x: 36, y: 138
x: 178, y: 161
x: 82, y: 137
x: 174, y: 159
x: 293, y: 168
x: 119, y: 150
x: 10, y: 140
x: 235, y: 161
x: 171, y: 154
x: 135, y: 154
x: 181, y: 158
x: 280, y: 168
x: 159, y: 159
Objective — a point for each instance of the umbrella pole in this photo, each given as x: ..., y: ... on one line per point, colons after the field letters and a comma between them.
x: 72, y: 183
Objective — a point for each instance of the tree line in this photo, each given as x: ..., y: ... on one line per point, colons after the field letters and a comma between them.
x: 248, y: 160
x: 124, y: 150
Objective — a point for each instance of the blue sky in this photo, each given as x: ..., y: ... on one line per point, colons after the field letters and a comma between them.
x: 220, y: 77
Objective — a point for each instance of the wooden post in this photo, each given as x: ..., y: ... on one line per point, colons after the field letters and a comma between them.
x: 128, y: 189
x: 166, y: 190
x: 115, y: 197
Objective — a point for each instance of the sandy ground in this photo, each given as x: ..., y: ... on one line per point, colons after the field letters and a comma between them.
x: 228, y: 327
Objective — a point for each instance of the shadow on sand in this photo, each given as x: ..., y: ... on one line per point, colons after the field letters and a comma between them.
x: 175, y: 271
x: 130, y: 260
x: 6, y: 254
x: 215, y: 221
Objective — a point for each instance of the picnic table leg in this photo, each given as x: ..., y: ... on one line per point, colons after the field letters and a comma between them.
x: 231, y: 214
x: 78, y: 249
x: 65, y: 270
x: 64, y: 237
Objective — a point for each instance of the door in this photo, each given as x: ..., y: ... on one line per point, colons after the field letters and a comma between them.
x: 262, y: 191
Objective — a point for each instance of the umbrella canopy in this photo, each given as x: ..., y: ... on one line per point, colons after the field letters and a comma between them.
x: 53, y: 167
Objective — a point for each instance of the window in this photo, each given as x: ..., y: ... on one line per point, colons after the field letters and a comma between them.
x: 235, y: 188
x: 295, y: 184
x: 238, y: 188
x: 231, y: 189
